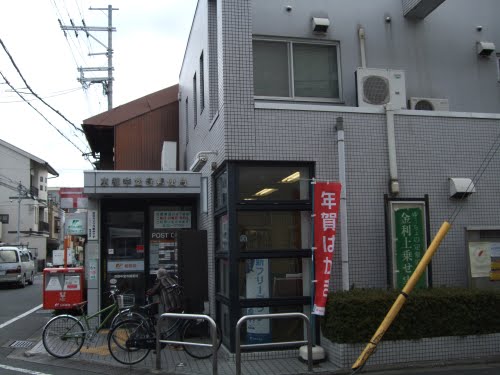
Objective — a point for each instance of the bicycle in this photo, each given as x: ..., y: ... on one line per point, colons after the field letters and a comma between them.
x: 130, y: 341
x: 64, y: 335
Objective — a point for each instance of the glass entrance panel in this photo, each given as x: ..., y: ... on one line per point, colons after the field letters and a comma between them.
x: 124, y: 252
x: 274, y: 278
x: 274, y: 230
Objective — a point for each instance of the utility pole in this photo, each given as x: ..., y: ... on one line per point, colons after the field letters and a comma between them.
x: 21, y: 194
x: 107, y: 82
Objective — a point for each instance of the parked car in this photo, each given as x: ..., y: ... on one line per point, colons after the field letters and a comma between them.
x: 16, y: 266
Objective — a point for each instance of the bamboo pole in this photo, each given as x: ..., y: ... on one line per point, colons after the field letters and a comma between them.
x: 398, y: 304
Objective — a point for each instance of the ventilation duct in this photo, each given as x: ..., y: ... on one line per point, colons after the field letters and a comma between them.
x: 461, y: 187
x: 419, y: 9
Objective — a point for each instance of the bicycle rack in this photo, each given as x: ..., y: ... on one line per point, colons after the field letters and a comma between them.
x: 273, y: 344
x: 213, y: 328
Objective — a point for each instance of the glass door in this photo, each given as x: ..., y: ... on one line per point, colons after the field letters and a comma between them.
x: 124, y: 253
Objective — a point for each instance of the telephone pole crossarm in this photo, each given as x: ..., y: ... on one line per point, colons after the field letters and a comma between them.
x: 108, y: 81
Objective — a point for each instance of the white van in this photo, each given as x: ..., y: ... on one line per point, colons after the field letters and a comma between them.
x: 16, y: 266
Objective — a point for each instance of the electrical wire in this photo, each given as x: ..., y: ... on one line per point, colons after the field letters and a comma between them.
x: 477, y: 176
x: 29, y: 88
x: 60, y: 93
x: 45, y: 118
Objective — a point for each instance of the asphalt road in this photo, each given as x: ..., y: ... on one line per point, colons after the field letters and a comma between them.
x: 25, y: 331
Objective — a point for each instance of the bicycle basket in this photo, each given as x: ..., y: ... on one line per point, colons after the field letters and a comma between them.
x: 125, y: 300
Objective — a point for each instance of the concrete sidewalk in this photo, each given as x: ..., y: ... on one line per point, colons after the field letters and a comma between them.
x: 178, y: 362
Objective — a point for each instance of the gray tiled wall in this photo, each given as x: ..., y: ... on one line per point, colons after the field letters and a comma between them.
x: 430, y: 149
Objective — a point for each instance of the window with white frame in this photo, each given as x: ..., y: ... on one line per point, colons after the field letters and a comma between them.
x: 296, y: 69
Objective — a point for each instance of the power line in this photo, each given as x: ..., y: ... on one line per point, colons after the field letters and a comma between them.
x: 477, y: 175
x: 60, y: 93
x: 27, y: 102
x: 35, y: 94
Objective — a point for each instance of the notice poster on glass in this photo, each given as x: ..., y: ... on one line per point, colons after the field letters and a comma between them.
x: 168, y: 219
x: 163, y: 252
x: 484, y: 260
x: 495, y: 262
x: 480, y: 259
x: 257, y: 286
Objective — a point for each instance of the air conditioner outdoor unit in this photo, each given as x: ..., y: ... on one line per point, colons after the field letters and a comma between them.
x: 378, y: 87
x: 429, y: 104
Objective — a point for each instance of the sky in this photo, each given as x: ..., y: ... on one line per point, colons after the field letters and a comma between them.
x: 148, y: 45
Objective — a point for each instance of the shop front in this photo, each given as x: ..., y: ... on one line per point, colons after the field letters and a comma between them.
x: 139, y: 222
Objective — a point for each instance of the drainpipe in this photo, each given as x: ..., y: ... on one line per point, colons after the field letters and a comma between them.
x: 361, y: 36
x: 343, y: 204
x: 391, y: 146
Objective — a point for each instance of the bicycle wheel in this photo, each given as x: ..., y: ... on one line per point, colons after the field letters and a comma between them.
x: 125, y: 315
x: 198, y: 331
x: 63, y: 336
x: 126, y: 341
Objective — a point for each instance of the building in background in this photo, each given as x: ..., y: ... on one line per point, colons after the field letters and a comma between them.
x: 24, y: 207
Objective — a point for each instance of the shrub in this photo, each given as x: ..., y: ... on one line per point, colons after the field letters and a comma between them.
x: 354, y: 316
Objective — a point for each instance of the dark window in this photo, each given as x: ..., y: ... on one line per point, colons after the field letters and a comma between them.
x: 195, y: 101
x: 187, y: 120
x: 221, y: 191
x: 202, y: 83
x: 293, y: 69
x: 222, y: 225
x: 4, y: 218
x: 274, y: 230
x: 258, y: 183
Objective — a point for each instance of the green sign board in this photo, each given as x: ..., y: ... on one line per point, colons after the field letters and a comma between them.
x: 410, y: 244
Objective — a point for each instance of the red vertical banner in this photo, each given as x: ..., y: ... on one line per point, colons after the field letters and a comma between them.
x: 326, y: 208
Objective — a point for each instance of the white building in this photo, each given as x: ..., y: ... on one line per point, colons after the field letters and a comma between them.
x: 24, y: 214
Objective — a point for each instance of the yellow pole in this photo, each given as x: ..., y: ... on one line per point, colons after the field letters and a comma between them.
x: 398, y: 304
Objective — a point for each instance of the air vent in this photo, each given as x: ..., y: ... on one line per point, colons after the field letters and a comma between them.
x: 378, y: 87
x: 376, y: 90
x: 429, y: 104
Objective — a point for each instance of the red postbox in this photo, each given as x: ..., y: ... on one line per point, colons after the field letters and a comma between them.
x: 63, y: 287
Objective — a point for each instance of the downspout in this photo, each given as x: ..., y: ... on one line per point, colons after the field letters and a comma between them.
x: 361, y: 36
x: 391, y: 147
x: 343, y: 204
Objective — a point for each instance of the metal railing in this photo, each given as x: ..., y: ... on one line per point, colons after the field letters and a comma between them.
x: 273, y: 344
x: 163, y: 320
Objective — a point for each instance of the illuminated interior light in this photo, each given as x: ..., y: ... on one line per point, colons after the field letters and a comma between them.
x: 292, y: 178
x: 265, y: 192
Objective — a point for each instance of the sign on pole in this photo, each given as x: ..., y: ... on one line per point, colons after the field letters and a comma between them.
x: 326, y: 207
